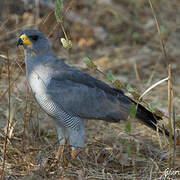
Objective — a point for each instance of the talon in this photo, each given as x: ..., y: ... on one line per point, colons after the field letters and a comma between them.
x: 74, y: 154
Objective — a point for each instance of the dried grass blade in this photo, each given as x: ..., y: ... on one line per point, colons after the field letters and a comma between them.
x: 153, y: 86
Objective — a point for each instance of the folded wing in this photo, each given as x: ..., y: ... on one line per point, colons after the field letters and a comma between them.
x: 86, y: 97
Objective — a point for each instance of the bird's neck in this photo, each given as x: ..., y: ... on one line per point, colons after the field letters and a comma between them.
x: 35, y: 58
x: 36, y: 51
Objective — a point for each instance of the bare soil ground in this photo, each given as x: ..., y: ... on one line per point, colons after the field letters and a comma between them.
x: 119, y: 36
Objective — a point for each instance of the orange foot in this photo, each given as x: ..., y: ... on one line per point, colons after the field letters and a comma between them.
x: 74, y: 154
x: 58, y: 154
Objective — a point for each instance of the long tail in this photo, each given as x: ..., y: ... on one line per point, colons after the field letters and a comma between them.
x: 144, y: 115
x: 150, y: 119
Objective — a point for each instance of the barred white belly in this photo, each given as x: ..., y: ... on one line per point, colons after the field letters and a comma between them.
x: 38, y: 88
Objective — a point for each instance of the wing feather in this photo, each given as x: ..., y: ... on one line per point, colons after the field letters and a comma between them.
x: 86, y: 97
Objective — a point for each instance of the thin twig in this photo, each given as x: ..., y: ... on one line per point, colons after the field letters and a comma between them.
x: 69, y: 6
x: 62, y: 27
x: 25, y: 118
x: 9, y: 108
x: 174, y: 133
x: 12, y: 83
x: 159, y: 34
x: 170, y: 119
x: 136, y: 71
x: 36, y: 12
x: 62, y: 17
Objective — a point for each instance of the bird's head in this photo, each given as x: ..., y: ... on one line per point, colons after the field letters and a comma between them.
x: 33, y: 40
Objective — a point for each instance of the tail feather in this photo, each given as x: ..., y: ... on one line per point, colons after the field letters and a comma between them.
x: 150, y: 119
x: 143, y: 114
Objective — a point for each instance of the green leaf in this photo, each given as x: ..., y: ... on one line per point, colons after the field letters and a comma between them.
x: 86, y: 61
x: 132, y: 111
x: 128, y: 127
x: 130, y: 89
x: 151, y: 107
x: 89, y: 63
x: 66, y: 43
x: 110, y: 77
x: 122, y: 141
x: 58, y: 9
x: 128, y: 150
x: 135, y: 35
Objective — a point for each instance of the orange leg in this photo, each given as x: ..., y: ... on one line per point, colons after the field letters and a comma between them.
x: 59, y: 153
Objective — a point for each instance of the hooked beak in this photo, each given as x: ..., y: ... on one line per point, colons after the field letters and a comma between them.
x: 23, y: 40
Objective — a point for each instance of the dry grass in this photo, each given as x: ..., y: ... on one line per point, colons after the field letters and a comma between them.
x: 119, y: 36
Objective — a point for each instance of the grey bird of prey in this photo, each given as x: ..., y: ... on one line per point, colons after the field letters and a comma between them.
x: 69, y: 96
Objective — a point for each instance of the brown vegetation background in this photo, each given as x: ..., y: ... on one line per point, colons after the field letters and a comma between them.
x: 119, y: 36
